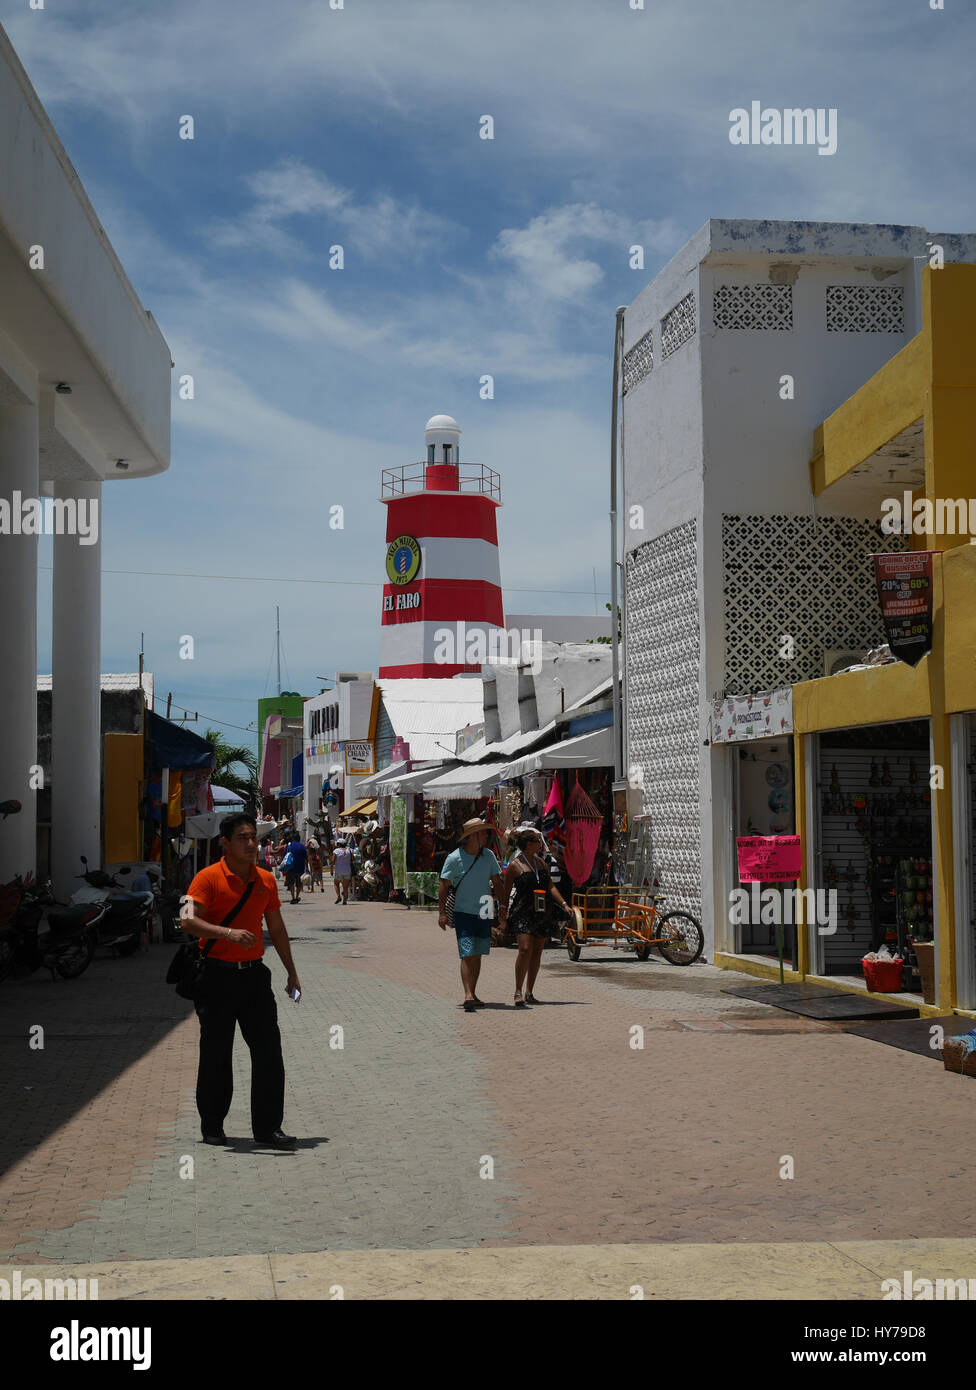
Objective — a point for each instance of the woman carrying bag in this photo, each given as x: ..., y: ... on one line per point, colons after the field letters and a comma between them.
x: 532, y: 905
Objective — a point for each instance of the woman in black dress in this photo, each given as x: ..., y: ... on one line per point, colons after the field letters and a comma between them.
x: 532, y: 904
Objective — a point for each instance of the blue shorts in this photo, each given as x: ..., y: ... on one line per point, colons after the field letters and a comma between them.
x: 473, y: 934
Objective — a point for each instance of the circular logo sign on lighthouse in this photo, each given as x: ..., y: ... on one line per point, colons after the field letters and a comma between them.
x: 402, y: 560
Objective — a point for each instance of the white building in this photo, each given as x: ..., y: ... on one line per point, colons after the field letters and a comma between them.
x: 737, y: 581
x: 84, y: 399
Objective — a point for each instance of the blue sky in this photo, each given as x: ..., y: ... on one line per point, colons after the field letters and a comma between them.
x: 463, y: 256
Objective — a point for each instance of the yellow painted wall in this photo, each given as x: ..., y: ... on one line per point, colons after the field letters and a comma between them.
x: 123, y: 786
x: 854, y: 698
x: 884, y: 406
x: 959, y: 616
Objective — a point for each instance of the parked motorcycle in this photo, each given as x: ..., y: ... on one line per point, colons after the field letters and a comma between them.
x: 66, y: 948
x: 127, y: 915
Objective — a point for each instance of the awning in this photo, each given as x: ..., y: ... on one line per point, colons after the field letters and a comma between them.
x: 290, y: 791
x: 223, y: 796
x: 370, y: 785
x: 408, y: 783
x: 361, y: 808
x: 587, y: 750
x: 171, y: 746
x: 464, y: 783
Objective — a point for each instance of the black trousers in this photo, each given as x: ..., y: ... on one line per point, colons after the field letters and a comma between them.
x: 228, y: 997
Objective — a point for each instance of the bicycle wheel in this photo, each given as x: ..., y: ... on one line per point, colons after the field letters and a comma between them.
x: 685, y: 942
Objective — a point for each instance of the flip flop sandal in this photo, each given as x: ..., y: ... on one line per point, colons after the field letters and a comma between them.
x: 469, y: 1006
x: 519, y: 1002
x: 531, y: 999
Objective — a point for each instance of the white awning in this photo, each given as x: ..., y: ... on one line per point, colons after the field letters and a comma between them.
x: 594, y: 749
x: 410, y: 782
x: 464, y: 782
x: 369, y: 785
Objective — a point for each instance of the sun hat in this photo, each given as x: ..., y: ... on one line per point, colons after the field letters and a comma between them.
x: 470, y: 827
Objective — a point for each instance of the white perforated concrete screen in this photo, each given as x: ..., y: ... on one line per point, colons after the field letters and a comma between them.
x: 663, y: 704
x: 800, y: 587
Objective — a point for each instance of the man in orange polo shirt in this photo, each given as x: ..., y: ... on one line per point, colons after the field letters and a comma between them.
x: 237, y: 985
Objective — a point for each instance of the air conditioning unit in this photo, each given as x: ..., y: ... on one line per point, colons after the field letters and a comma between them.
x: 839, y: 660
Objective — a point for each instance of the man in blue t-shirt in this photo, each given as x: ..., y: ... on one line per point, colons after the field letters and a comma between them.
x: 477, y: 878
x: 293, y: 875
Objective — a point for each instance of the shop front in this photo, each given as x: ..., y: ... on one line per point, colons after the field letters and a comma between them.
x: 873, y: 847
x: 755, y: 734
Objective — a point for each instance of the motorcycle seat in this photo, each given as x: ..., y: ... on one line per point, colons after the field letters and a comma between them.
x: 119, y: 895
x: 70, y: 918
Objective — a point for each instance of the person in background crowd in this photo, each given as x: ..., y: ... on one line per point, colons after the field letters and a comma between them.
x: 315, y: 863
x: 477, y: 878
x: 298, y: 855
x: 342, y: 870
x: 532, y: 901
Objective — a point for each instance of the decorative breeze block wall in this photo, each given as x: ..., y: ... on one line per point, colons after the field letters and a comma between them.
x: 678, y: 325
x: 792, y: 576
x: 638, y: 362
x: 753, y: 306
x: 865, y: 309
x: 664, y: 704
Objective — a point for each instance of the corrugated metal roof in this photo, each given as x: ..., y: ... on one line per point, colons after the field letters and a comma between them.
x: 427, y: 713
x: 114, y: 681
x: 515, y: 742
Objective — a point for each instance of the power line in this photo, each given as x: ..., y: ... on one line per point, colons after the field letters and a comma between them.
x: 271, y: 579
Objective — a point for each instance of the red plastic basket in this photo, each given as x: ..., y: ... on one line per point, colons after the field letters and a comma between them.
x: 883, y: 976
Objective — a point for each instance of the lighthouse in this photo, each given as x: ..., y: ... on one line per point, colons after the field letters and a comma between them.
x: 442, y: 594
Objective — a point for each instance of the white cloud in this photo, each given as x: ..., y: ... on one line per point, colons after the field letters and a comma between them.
x: 382, y: 227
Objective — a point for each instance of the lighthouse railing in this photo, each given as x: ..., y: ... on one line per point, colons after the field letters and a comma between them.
x: 472, y: 479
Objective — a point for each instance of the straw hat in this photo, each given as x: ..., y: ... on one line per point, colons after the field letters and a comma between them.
x: 470, y: 827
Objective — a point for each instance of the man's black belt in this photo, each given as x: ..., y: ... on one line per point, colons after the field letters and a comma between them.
x: 234, y: 964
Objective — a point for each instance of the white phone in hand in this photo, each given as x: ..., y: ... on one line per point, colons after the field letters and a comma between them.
x: 294, y: 994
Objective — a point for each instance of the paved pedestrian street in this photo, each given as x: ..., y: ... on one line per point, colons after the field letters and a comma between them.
x: 450, y: 1154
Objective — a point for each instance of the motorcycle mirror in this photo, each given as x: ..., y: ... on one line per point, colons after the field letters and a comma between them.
x: 84, y: 860
x: 9, y: 808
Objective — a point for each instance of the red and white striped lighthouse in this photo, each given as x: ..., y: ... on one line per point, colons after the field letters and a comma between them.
x: 442, y: 594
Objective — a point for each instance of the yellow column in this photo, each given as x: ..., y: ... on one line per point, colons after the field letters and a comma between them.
x: 943, y: 876
x: 949, y: 307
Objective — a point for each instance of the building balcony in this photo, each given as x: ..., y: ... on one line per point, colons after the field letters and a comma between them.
x: 471, y: 479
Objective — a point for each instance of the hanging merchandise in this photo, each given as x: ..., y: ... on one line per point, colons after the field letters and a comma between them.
x: 583, y: 827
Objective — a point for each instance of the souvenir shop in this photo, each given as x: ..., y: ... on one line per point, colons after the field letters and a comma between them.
x: 567, y: 790
x: 873, y: 810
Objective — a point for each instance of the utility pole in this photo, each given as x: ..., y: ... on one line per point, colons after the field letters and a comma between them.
x: 278, y: 643
x: 169, y: 701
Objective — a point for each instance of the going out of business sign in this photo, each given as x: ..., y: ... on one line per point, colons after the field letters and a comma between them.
x: 904, y: 580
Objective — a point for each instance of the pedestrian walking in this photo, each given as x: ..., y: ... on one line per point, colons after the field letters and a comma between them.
x: 532, y: 903
x: 477, y: 878
x: 236, y: 986
x: 293, y: 864
x: 341, y: 870
x: 314, y: 863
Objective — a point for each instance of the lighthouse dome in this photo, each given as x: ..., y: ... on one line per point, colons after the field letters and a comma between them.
x: 442, y: 429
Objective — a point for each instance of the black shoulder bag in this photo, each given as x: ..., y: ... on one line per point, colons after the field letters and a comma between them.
x: 186, y: 967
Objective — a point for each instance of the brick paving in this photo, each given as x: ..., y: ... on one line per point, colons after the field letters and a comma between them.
x: 593, y: 1141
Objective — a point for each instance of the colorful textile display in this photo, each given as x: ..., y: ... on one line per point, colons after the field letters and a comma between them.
x: 583, y: 827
